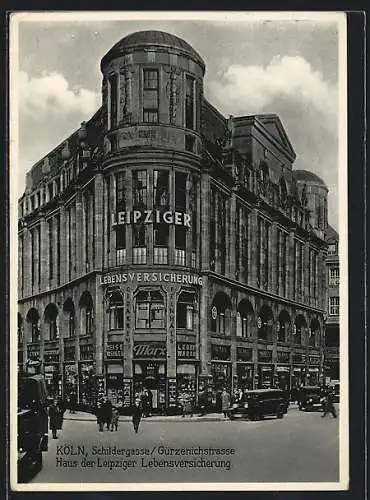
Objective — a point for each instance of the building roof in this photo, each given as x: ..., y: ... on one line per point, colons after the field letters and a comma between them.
x: 306, y: 175
x: 331, y: 235
x: 150, y: 38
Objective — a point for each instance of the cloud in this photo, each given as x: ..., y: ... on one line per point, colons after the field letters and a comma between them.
x: 248, y: 89
x: 50, y: 95
x: 306, y: 103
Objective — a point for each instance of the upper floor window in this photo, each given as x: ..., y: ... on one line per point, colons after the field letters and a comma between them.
x: 190, y: 103
x: 161, y: 189
x: 332, y: 249
x: 120, y: 191
x: 139, y: 188
x: 185, y: 311
x: 150, y: 96
x: 334, y: 306
x: 334, y: 276
x: 116, y: 311
x: 150, y: 312
x: 113, y: 88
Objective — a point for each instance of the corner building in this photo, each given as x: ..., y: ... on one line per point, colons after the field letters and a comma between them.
x: 162, y: 245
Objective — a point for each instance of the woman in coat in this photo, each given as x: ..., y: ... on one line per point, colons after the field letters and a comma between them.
x: 225, y: 402
x: 54, y: 418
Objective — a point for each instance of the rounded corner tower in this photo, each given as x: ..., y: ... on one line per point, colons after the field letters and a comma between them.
x: 314, y: 189
x: 152, y: 92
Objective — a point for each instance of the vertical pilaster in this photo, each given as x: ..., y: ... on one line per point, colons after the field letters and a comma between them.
x: 106, y: 223
x: 272, y: 258
x: 27, y: 263
x: 204, y: 221
x: 306, y: 273
x: 254, y: 254
x: 171, y: 332
x: 129, y: 207
x: 79, y: 263
x: 291, y: 265
x: 99, y: 211
x: 99, y: 327
x: 63, y: 247
x: 231, y: 228
x: 205, y: 354
x: 44, y: 254
x: 113, y: 209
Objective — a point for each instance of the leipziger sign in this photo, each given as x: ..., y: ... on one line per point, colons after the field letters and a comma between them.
x: 150, y: 217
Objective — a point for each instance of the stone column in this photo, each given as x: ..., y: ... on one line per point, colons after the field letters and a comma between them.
x: 171, y: 229
x: 99, y: 211
x: 27, y: 263
x: 106, y: 223
x: 306, y: 271
x: 129, y: 227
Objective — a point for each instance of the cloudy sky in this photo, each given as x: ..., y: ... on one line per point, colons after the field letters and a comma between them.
x: 288, y: 67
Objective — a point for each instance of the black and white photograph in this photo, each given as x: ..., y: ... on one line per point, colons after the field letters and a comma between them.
x: 178, y: 244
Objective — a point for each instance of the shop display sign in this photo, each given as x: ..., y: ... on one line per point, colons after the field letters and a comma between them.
x: 51, y: 357
x: 243, y: 354
x: 86, y: 351
x: 69, y: 353
x: 314, y: 360
x: 299, y: 358
x: 172, y: 392
x: 220, y: 352
x: 126, y: 392
x: 186, y: 350
x: 264, y: 355
x: 157, y: 277
x: 149, y: 350
x: 114, y: 350
x: 282, y: 357
x: 33, y: 352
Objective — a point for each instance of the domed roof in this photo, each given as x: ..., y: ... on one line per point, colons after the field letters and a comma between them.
x: 150, y: 38
x: 305, y: 175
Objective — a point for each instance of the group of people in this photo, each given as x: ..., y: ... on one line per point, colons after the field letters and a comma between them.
x: 106, y: 415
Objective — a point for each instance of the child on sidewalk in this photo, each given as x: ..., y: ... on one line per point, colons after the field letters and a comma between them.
x: 114, y: 421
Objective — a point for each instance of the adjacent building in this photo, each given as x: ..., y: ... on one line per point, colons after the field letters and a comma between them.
x: 332, y: 337
x: 164, y: 246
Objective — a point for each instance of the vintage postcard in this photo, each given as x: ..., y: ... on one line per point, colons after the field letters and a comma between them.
x: 178, y: 251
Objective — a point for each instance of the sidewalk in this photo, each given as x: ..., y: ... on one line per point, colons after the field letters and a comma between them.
x: 210, y: 417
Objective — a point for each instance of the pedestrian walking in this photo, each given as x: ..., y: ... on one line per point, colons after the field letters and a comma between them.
x: 62, y: 405
x: 225, y: 402
x: 114, y: 421
x: 328, y: 405
x: 107, y: 412
x: 54, y: 418
x: 72, y: 402
x: 137, y: 412
x: 99, y: 412
x: 145, y: 402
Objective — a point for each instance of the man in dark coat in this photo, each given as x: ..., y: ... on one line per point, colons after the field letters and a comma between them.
x: 54, y: 418
x: 328, y: 404
x: 107, y: 411
x: 137, y: 412
x: 99, y: 412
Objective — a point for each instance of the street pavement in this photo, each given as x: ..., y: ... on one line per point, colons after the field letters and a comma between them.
x: 302, y: 447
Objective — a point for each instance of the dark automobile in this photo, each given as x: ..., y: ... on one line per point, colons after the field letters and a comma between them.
x: 32, y: 425
x: 259, y: 403
x: 309, y: 398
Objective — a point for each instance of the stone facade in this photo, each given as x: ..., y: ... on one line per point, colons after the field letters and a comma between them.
x: 162, y: 245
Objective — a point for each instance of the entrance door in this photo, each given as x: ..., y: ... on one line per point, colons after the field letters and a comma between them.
x: 151, y: 375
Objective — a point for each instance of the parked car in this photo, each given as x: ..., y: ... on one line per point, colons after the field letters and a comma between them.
x: 259, y: 403
x: 309, y: 398
x: 32, y: 425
